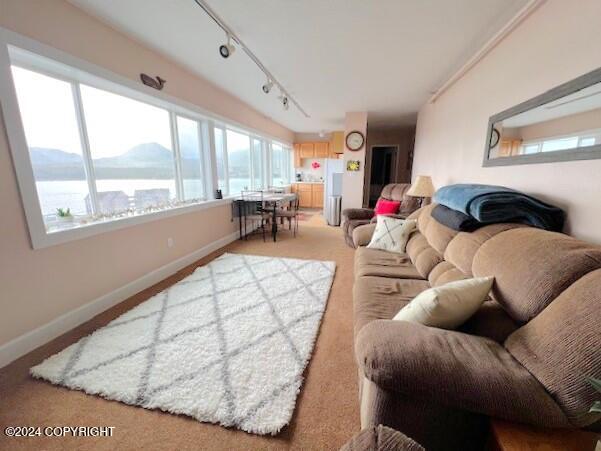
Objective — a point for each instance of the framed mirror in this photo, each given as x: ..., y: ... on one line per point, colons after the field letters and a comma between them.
x: 562, y: 124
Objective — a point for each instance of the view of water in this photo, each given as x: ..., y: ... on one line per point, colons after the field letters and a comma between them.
x: 72, y: 193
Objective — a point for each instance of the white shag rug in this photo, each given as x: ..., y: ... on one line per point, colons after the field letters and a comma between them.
x: 227, y: 345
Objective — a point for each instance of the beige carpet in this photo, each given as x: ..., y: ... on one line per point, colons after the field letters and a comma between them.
x: 326, y: 414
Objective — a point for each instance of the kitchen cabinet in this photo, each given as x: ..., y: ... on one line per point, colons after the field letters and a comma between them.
x: 310, y: 195
x: 337, y: 143
x: 298, y: 162
x: 317, y: 198
x: 307, y: 150
x: 305, y: 195
x: 322, y: 150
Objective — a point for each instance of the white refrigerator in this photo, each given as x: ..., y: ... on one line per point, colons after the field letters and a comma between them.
x: 333, y: 191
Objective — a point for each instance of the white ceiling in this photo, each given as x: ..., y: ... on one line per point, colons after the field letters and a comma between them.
x: 385, y: 57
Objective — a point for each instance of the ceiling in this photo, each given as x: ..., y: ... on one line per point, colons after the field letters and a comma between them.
x: 385, y: 57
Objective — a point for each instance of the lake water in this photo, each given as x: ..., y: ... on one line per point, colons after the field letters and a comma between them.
x: 72, y: 193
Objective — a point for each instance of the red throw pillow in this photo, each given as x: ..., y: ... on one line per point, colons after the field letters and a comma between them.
x: 387, y: 207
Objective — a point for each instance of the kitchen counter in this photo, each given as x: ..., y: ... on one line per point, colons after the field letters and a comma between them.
x: 313, y: 183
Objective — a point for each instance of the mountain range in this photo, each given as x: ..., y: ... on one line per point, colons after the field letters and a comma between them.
x: 144, y: 161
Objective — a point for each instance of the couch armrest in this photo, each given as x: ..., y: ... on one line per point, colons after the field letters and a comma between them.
x: 349, y: 214
x: 362, y: 234
x: 454, y: 369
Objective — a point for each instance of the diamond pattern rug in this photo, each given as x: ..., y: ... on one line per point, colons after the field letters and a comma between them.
x: 227, y: 345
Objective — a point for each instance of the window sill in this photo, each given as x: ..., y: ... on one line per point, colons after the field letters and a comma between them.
x: 60, y: 236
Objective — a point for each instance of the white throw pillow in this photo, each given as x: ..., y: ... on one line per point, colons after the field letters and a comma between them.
x: 392, y: 234
x: 447, y: 306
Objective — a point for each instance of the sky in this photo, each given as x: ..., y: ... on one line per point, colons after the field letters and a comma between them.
x: 114, y: 123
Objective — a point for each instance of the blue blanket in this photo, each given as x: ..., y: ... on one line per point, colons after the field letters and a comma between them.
x: 490, y: 204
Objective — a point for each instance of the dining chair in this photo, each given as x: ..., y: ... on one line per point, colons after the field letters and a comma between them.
x: 254, y: 212
x: 291, y: 214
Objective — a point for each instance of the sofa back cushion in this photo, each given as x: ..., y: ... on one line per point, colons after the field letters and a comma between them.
x: 398, y: 192
x: 462, y: 248
x: 561, y: 347
x: 532, y: 267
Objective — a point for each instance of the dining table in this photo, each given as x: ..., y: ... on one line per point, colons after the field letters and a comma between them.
x: 271, y: 202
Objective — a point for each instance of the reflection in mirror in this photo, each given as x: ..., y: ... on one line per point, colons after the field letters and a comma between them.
x: 562, y: 124
x: 571, y: 122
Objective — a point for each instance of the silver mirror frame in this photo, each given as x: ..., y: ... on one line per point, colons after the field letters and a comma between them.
x: 588, y: 153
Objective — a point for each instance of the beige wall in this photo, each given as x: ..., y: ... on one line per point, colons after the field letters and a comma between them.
x: 352, y: 182
x: 557, y: 43
x: 38, y: 286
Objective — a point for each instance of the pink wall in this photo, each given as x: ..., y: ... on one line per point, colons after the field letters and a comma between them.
x: 557, y: 43
x: 38, y: 286
x: 352, y: 182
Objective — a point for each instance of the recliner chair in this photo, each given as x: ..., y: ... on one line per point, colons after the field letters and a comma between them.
x: 355, y: 217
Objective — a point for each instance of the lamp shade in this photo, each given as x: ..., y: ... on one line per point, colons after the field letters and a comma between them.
x: 422, y: 187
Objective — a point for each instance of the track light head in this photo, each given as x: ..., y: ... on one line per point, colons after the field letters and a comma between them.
x: 267, y: 86
x: 226, y: 50
x: 285, y: 103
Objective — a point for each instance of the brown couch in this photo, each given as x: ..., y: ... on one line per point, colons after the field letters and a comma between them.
x: 355, y: 217
x: 381, y: 438
x: 524, y: 356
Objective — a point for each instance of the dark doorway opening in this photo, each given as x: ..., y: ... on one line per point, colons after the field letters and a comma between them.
x: 383, y: 170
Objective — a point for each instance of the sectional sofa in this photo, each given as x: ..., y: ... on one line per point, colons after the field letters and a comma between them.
x: 524, y: 356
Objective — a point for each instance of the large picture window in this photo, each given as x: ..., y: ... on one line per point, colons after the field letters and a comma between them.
x: 130, y: 145
x: 52, y: 133
x: 189, y: 141
x: 281, y: 162
x: 101, y: 150
x: 238, y: 161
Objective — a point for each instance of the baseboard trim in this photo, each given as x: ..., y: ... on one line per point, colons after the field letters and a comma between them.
x: 29, y: 341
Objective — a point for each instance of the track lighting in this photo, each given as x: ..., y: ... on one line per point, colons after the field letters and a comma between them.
x: 225, y: 50
x: 267, y: 86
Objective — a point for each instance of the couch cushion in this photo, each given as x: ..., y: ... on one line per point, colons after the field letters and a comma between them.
x: 562, y: 346
x: 443, y: 273
x: 422, y: 255
x: 382, y: 297
x: 532, y: 267
x: 462, y: 248
x: 375, y: 262
x: 439, y: 236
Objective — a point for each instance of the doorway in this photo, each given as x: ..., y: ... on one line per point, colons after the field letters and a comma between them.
x: 383, y: 170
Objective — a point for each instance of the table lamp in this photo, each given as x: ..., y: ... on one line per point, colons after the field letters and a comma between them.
x: 422, y: 187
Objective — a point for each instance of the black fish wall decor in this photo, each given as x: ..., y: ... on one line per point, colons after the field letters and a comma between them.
x: 157, y: 83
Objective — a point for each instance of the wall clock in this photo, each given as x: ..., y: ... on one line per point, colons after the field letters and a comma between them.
x: 355, y: 140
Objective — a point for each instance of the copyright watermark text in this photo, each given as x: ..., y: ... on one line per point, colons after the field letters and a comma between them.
x: 59, y: 431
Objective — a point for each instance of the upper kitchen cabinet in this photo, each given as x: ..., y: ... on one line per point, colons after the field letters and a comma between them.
x: 337, y: 143
x: 322, y: 150
x: 307, y: 150
x: 298, y: 162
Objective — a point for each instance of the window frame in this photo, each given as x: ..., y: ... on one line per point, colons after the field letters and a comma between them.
x: 19, y: 50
